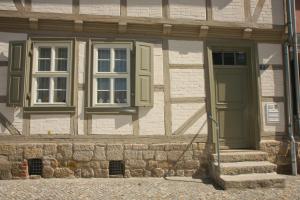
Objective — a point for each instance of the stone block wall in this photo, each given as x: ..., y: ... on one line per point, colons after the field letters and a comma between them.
x: 88, y: 160
x: 279, y: 154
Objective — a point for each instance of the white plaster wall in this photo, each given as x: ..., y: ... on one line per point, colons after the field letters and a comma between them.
x: 3, y: 80
x: 14, y: 115
x: 112, y: 124
x: 81, y: 62
x: 278, y: 127
x: 183, y: 112
x: 45, y: 124
x: 144, y: 8
x: 272, y: 83
x: 188, y: 9
x: 7, y: 5
x: 228, y: 10
x: 80, y: 116
x: 185, y: 52
x: 5, y: 37
x: 151, y: 120
x: 272, y: 12
x: 270, y: 53
x: 100, y: 7
x: 52, y: 6
x: 158, y: 78
x: 187, y: 83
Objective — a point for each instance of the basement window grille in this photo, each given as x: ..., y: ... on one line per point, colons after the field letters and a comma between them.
x: 116, y: 168
x: 35, y: 166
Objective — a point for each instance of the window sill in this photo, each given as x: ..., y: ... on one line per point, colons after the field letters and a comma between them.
x: 49, y: 110
x: 101, y: 110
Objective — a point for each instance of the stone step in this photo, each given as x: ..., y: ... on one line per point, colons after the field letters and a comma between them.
x: 240, y: 156
x: 247, y: 167
x: 251, y: 181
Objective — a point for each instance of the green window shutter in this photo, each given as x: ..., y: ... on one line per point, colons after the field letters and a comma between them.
x: 16, y: 68
x: 143, y: 74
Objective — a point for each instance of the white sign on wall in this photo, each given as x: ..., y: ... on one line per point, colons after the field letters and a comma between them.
x: 272, y: 113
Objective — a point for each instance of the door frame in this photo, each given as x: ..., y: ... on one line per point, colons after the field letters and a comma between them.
x: 254, y: 100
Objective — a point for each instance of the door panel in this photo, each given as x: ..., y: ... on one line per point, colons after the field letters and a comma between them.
x: 232, y: 104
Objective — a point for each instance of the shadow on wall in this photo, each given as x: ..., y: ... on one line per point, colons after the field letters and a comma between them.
x: 223, y: 3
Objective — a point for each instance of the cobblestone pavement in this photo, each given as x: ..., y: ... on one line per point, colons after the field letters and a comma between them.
x: 137, y: 188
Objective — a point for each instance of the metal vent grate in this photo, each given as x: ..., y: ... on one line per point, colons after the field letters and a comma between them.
x: 116, y: 168
x: 35, y: 166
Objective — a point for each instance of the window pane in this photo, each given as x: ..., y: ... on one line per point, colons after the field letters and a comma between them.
x: 241, y: 58
x: 60, y: 83
x: 217, y: 58
x: 120, y: 96
x: 42, y: 90
x: 44, y: 65
x: 120, y: 54
x: 120, y: 84
x: 42, y: 96
x: 104, y: 54
x: 120, y: 60
x: 60, y: 96
x: 103, y: 65
x: 43, y: 83
x: 45, y: 52
x: 61, y: 65
x: 103, y: 84
x: 62, y: 52
x: 228, y: 58
x: 120, y: 90
x: 103, y: 97
x: 120, y: 65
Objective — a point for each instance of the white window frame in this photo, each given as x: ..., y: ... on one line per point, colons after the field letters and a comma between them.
x: 111, y: 75
x: 50, y: 74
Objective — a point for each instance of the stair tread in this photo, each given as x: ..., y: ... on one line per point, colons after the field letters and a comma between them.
x: 246, y: 164
x: 252, y: 177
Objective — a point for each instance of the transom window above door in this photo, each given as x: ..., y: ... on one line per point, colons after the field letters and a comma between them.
x: 50, y: 74
x: 229, y: 58
x: 111, y: 76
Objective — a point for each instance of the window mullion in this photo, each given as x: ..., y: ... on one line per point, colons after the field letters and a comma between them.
x: 52, y: 67
x: 51, y: 90
x: 112, y: 83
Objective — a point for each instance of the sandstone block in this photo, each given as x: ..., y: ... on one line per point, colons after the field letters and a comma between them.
x: 16, y: 169
x: 135, y: 164
x: 127, y: 173
x: 87, y: 173
x: 163, y: 164
x: 128, y: 146
x: 180, y: 172
x: 160, y: 155
x: 99, y: 153
x: 137, y: 172
x: 176, y: 146
x: 17, y: 155
x: 7, y: 149
x: 48, y: 172
x: 33, y: 152
x: 191, y: 164
x: 159, y: 147
x: 148, y: 154
x: 189, y: 173
x: 95, y: 164
x: 147, y: 173
x: 152, y: 164
x: 158, y: 172
x: 50, y: 149
x: 5, y: 175
x: 64, y: 151
x: 63, y: 172
x: 174, y: 155
x: 133, y: 155
x: 114, y: 152
x: 72, y: 165
x: 4, y: 163
x: 83, y: 155
x: 101, y: 173
x: 104, y: 164
x: 83, y: 147
x: 188, y: 155
x: 139, y: 146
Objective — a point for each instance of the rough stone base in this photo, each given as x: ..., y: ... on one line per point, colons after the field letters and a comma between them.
x: 279, y: 154
x: 88, y: 160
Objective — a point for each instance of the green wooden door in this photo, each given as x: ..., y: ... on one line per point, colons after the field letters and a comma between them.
x: 231, y: 76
